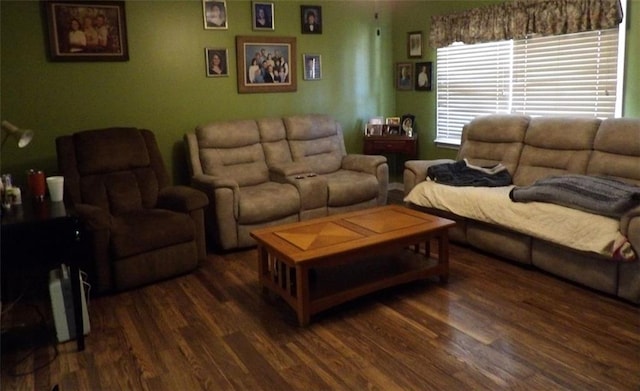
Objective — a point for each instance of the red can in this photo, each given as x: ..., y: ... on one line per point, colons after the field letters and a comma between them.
x: 36, y: 183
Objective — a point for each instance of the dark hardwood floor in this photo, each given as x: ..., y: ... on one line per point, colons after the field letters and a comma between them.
x: 494, y: 325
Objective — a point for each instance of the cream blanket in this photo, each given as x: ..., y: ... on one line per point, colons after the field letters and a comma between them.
x: 557, y: 224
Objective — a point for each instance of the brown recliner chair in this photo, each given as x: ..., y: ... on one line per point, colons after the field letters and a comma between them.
x: 139, y: 228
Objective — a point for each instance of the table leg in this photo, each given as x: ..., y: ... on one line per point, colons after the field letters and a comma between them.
x: 77, y: 305
x: 443, y: 255
x: 302, y: 291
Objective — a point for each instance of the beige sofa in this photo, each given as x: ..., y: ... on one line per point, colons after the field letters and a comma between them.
x: 277, y: 170
x: 532, y: 149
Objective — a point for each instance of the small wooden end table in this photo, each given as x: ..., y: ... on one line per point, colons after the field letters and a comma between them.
x: 317, y: 264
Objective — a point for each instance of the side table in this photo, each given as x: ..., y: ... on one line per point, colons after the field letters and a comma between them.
x: 38, y: 237
x: 402, y: 144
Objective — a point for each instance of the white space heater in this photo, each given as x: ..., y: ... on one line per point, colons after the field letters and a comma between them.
x: 62, y: 303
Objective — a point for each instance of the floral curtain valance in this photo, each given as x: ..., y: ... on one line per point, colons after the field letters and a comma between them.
x: 519, y: 18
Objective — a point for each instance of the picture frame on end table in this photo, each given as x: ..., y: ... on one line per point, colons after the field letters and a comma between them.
x: 253, y: 51
x: 86, y: 31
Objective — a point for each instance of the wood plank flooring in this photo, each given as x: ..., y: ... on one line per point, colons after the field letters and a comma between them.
x: 494, y: 326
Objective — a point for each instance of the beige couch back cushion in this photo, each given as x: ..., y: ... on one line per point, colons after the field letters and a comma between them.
x: 273, y: 136
x: 492, y: 139
x: 555, y: 146
x: 232, y: 149
x: 316, y: 140
x: 616, y: 150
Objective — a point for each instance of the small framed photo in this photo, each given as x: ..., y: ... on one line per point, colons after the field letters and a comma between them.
x: 215, y: 14
x: 404, y: 81
x: 414, y: 44
x: 263, y: 18
x: 423, y: 76
x: 393, y: 121
x: 216, y: 62
x: 312, y: 67
x: 311, y: 19
x: 87, y: 30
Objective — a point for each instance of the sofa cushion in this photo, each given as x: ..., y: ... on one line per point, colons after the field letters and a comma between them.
x: 616, y: 150
x: 348, y: 187
x: 489, y: 140
x: 266, y: 202
x: 149, y: 229
x: 273, y: 136
x: 316, y: 140
x: 232, y: 149
x: 555, y: 146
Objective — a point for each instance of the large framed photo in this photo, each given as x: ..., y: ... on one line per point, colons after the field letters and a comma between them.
x: 216, y: 61
x: 414, y: 44
x: 423, y: 76
x: 311, y: 19
x: 312, y: 66
x: 266, y: 64
x: 87, y: 30
x: 263, y: 16
x: 215, y: 14
x: 404, y: 81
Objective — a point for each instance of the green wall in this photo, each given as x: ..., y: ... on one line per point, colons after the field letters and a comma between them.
x: 163, y: 86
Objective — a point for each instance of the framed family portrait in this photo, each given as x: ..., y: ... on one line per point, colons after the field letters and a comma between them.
x: 216, y: 62
x: 215, y: 14
x: 311, y: 19
x: 266, y: 64
x: 312, y: 66
x: 87, y: 30
x: 404, y: 81
x: 263, y: 16
x: 414, y: 44
x: 423, y: 76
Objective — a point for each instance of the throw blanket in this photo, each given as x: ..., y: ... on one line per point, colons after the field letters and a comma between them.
x: 462, y: 173
x: 554, y: 223
x: 600, y: 195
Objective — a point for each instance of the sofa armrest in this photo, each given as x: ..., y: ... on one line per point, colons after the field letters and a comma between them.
x: 630, y: 227
x: 363, y: 163
x: 97, y: 232
x: 280, y: 171
x: 182, y: 199
x: 93, y: 217
x: 415, y: 171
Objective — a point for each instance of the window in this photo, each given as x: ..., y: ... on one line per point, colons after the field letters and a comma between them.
x: 573, y: 74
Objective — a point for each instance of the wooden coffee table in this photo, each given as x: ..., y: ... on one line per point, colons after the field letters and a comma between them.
x: 317, y: 264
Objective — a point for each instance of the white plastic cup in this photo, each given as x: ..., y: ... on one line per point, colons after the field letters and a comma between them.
x: 56, y: 188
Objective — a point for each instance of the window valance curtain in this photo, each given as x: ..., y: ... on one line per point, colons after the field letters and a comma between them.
x: 519, y: 18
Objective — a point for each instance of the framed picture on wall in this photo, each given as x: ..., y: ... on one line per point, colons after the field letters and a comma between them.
x: 216, y: 62
x: 312, y: 67
x: 263, y: 18
x: 414, y: 44
x: 87, y: 31
x: 266, y: 64
x: 311, y: 19
x: 215, y: 14
x: 404, y: 81
x: 423, y: 76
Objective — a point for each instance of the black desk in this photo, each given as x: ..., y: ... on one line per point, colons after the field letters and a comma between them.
x: 38, y: 237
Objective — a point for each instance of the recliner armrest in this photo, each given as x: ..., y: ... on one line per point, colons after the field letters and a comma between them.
x: 93, y: 217
x: 630, y: 228
x: 415, y: 171
x: 182, y: 199
x: 363, y: 163
x: 209, y: 183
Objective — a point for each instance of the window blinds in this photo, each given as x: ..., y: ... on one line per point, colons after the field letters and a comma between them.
x: 573, y: 74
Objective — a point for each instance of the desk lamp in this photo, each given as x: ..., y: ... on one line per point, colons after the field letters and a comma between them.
x: 23, y: 136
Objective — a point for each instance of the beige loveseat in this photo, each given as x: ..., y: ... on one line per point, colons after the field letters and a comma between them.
x: 277, y: 170
x: 532, y: 149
